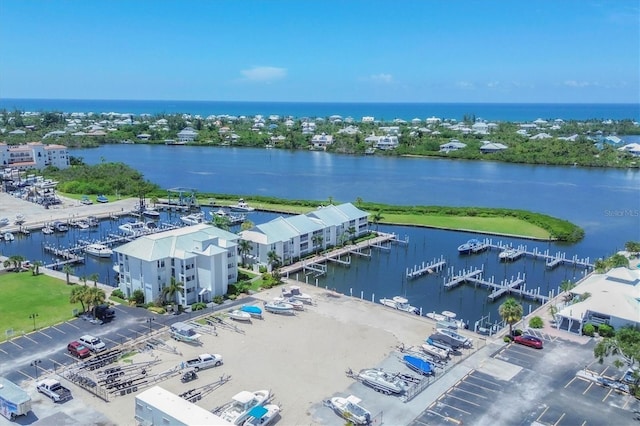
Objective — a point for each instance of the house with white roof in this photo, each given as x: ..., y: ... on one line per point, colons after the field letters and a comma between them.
x: 294, y: 237
x: 202, y: 257
x: 321, y: 141
x: 452, y: 145
x: 349, y: 130
x: 489, y: 147
x: 33, y: 155
x: 540, y: 136
x: 613, y: 299
x: 368, y: 119
x: 188, y: 134
x: 631, y: 148
x: 480, y: 128
x: 387, y: 142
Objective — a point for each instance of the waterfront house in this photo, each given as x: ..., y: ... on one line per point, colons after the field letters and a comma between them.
x: 33, y: 155
x: 321, y: 141
x: 187, y: 134
x: 143, y: 136
x: 490, y: 147
x: 202, y: 257
x: 452, y: 145
x: 611, y: 298
x: 294, y: 237
x: 387, y: 142
x: 631, y: 148
x: 480, y: 128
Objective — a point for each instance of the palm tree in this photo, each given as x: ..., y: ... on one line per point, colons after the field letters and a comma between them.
x: 95, y: 297
x: 169, y: 292
x: 358, y: 201
x: 78, y: 295
x: 16, y: 261
x: 94, y: 277
x: 273, y: 259
x: 511, y: 312
x: 352, y: 233
x: 316, y: 240
x: 245, y: 248
x: 67, y: 269
x: 376, y: 218
x: 36, y: 265
x: 566, y: 286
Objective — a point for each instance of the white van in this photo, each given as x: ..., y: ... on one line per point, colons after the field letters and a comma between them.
x: 93, y: 343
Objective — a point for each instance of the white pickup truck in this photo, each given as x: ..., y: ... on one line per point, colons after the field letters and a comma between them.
x: 54, y: 390
x: 204, y: 361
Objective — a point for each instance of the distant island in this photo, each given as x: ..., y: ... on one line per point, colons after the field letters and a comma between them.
x: 589, y: 143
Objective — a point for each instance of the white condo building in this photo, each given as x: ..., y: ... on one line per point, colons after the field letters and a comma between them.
x: 294, y: 237
x: 33, y: 155
x: 202, y: 257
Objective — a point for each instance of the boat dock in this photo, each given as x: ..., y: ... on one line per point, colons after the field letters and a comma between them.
x: 551, y: 260
x: 68, y: 256
x: 516, y: 285
x: 436, y: 265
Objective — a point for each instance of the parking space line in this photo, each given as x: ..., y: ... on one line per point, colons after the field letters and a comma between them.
x: 543, y: 413
x: 577, y: 378
x: 5, y: 352
x: 11, y: 341
x: 456, y: 408
x: 484, y: 380
x: 45, y: 334
x: 587, y: 389
x: 607, y: 395
x: 481, y: 387
x: 25, y: 374
x: 27, y: 337
x: 73, y: 325
x: 560, y: 419
x: 462, y: 399
x: 471, y: 393
x: 446, y: 418
x: 528, y: 353
x: 56, y: 328
x: 605, y: 369
x: 584, y: 423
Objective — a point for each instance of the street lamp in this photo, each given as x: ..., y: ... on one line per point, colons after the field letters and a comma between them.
x: 149, y: 321
x: 35, y: 365
x: 33, y: 317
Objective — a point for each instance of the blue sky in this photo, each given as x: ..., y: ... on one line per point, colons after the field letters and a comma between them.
x: 322, y: 51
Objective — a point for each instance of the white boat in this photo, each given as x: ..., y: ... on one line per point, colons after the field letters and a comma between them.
x: 47, y: 230
x: 435, y: 317
x: 151, y: 213
x: 401, y: 304
x: 296, y: 294
x: 237, y: 411
x: 276, y: 307
x: 451, y: 317
x: 8, y: 236
x: 4, y: 221
x: 435, y: 352
x: 239, y: 315
x: 99, y: 250
x: 383, y: 381
x: 297, y: 305
x: 472, y: 246
x: 508, y: 254
x: 262, y: 415
x: 350, y: 409
x: 19, y: 219
x: 233, y: 219
x: 192, y: 219
x: 241, y: 206
x: 454, y: 337
x: 133, y: 227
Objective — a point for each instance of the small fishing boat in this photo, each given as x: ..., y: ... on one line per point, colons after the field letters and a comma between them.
x: 350, y: 409
x: 434, y: 351
x: 237, y: 411
x: 47, y: 230
x: 296, y: 294
x: 98, y: 250
x: 472, y: 246
x: 151, y: 213
x: 233, y: 219
x: 193, y: 218
x: 241, y: 206
x: 102, y: 199
x: 419, y: 365
x: 4, y: 221
x: 508, y: 254
x: 454, y: 337
x: 8, y: 236
x: 383, y: 381
x: 451, y: 317
x: 401, y: 304
x: 133, y: 227
x: 60, y: 226
x: 262, y: 415
x: 254, y: 311
x: 276, y: 307
x: 239, y: 315
x: 436, y: 317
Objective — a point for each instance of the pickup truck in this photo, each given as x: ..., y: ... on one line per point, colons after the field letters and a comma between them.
x: 204, y: 361
x: 54, y: 390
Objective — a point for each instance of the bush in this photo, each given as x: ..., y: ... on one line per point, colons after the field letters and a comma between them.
x: 118, y: 293
x: 507, y: 339
x: 517, y: 332
x: 232, y: 290
x: 218, y: 300
x: 605, y: 330
x: 137, y: 297
x: 198, y: 306
x: 156, y: 310
x: 232, y: 296
x: 588, y: 330
x: 536, y: 322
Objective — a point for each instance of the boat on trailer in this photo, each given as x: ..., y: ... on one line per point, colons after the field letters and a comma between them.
x: 400, y: 303
x: 419, y: 365
x: 350, y: 409
x: 382, y: 381
x: 262, y: 415
x: 239, y: 315
x: 254, y: 311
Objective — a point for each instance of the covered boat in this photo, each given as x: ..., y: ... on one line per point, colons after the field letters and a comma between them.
x: 419, y: 365
x: 262, y: 415
x: 237, y: 411
x: 350, y: 409
x: 254, y: 311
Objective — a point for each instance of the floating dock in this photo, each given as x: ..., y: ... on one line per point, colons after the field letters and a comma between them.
x: 551, y: 260
x: 436, y: 265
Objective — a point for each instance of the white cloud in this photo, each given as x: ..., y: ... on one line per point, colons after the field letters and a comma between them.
x: 576, y: 83
x: 264, y: 74
x: 381, y: 78
x: 465, y: 85
x: 493, y: 84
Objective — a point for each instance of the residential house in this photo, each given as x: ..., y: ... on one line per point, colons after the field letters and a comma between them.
x: 321, y: 141
x: 387, y: 142
x: 452, y: 145
x: 490, y: 147
x: 202, y: 257
x: 631, y: 148
x: 368, y: 119
x: 186, y: 135
x: 540, y: 136
x: 480, y: 128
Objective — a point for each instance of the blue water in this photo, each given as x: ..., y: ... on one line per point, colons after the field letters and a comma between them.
x: 380, y: 111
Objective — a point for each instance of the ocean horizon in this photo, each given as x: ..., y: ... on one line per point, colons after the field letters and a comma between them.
x: 382, y: 111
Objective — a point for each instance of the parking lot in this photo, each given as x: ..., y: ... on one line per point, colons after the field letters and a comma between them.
x: 545, y: 391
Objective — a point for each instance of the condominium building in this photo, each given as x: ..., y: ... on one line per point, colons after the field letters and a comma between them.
x: 33, y: 155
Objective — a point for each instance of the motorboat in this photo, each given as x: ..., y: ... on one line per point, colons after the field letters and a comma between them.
x: 92, y: 221
x: 451, y: 318
x: 237, y: 411
x: 8, y: 236
x: 233, y: 219
x: 241, y: 206
x: 349, y: 408
x: 508, y: 254
x: 47, y: 230
x: 60, y: 226
x: 262, y: 415
x: 401, y: 304
x: 183, y: 332
x: 254, y: 311
x: 151, y: 213
x: 383, y: 381
x: 102, y: 199
x: 278, y: 307
x: 297, y: 305
x: 133, y: 227
x: 82, y: 224
x: 99, y: 250
x: 151, y: 225
x: 436, y: 317
x: 193, y: 218
x: 4, y: 221
x: 296, y: 294
x: 452, y: 336
x: 86, y: 201
x: 239, y: 315
x: 434, y: 351
x: 419, y: 365
x: 472, y: 246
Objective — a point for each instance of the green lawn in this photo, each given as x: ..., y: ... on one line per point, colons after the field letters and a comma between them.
x: 22, y: 294
x: 493, y: 225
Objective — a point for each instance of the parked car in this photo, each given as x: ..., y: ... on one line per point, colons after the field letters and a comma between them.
x: 528, y: 340
x: 78, y: 350
x: 93, y: 343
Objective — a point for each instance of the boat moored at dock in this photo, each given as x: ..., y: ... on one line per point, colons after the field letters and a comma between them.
x: 98, y: 250
x: 400, y: 303
x: 241, y: 206
x: 472, y: 246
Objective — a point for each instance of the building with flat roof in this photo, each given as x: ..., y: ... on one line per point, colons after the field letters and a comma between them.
x: 614, y: 299
x: 33, y: 155
x: 202, y: 257
x: 157, y: 406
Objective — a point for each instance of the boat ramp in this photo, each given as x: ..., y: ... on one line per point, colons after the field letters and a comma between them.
x: 516, y: 285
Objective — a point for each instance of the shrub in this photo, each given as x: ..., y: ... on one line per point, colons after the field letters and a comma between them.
x: 137, y: 297
x: 198, y: 306
x: 605, y: 330
x: 262, y: 269
x: 118, y: 293
x: 588, y: 330
x: 507, y: 339
x: 232, y: 290
x: 536, y: 322
x: 157, y: 310
x: 517, y: 332
x: 232, y: 296
x: 218, y: 300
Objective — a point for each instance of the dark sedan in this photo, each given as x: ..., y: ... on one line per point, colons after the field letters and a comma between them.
x: 528, y: 340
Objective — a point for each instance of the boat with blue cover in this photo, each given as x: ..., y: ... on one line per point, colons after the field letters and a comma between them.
x: 254, y: 311
x: 419, y: 365
x: 102, y: 199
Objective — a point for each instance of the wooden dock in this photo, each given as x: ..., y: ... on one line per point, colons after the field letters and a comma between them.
x: 436, y: 265
x: 551, y: 260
